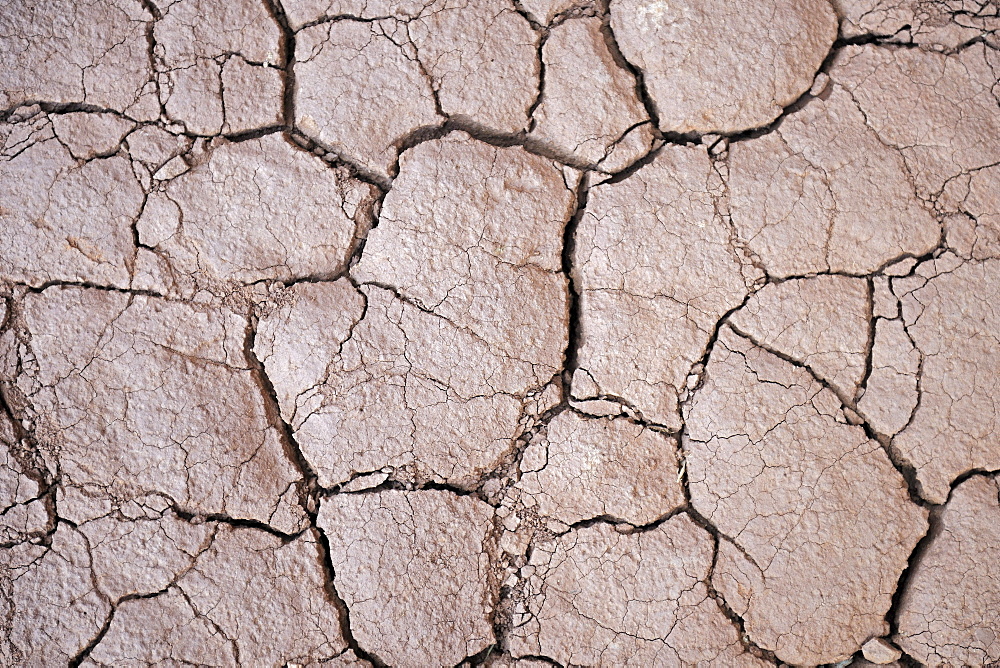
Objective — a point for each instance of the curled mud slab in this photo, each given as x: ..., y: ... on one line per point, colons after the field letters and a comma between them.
x: 507, y: 333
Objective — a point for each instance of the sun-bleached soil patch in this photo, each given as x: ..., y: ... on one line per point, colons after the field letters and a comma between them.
x: 504, y: 333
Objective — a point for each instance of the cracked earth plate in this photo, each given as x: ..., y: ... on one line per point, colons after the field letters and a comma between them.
x: 504, y: 333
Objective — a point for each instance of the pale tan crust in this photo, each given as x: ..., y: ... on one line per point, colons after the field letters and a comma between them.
x: 797, y: 492
x: 468, y: 229
x: 186, y: 421
x: 588, y: 117
x: 365, y: 86
x: 907, y: 97
x: 198, y: 64
x: 821, y: 322
x: 225, y: 220
x: 802, y: 195
x: 414, y: 569
x: 23, y: 511
x: 47, y: 625
x: 939, y: 24
x: 501, y: 333
x: 951, y: 317
x: 44, y: 240
x: 377, y: 392
x: 579, y: 468
x: 717, y: 66
x: 70, y: 52
x: 633, y: 245
x: 948, y: 614
x: 597, y: 597
x: 360, y: 117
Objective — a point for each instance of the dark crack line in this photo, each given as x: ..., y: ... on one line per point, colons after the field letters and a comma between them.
x: 575, y: 337
x: 309, y: 489
x: 935, y: 527
x: 869, y: 341
x: 82, y: 655
x: 344, y: 612
x: 286, y: 46
x: 736, y: 620
x: 898, y: 462
x: 641, y: 91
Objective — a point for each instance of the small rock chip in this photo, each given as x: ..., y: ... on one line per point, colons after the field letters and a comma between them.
x: 880, y: 651
x: 820, y: 84
x: 715, y: 66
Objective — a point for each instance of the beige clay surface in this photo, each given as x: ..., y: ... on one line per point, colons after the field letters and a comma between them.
x: 502, y: 333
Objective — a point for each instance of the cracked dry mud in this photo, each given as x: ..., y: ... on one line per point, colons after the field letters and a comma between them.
x: 504, y: 333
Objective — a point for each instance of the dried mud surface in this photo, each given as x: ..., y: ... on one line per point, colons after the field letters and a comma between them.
x: 505, y: 333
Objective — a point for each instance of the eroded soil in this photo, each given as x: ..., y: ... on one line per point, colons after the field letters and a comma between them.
x: 510, y: 333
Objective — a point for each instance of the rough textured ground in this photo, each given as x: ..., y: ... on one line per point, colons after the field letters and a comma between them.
x: 505, y: 333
